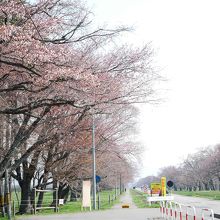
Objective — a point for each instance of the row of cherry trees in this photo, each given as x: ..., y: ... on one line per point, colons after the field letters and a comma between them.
x: 57, y: 71
x: 199, y: 171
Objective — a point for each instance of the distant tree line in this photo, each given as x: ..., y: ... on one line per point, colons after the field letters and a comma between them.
x: 199, y: 171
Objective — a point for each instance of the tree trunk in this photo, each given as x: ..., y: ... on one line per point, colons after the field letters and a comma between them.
x: 55, y: 186
x: 206, y: 186
x: 44, y: 185
x: 25, y: 205
x: 73, y: 196
x: 2, y: 208
x: 40, y: 199
x: 64, y: 193
x: 24, y: 177
x: 7, y: 196
x: 219, y: 183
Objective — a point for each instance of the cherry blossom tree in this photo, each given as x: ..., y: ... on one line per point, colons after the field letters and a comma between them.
x: 51, y: 57
x: 56, y: 71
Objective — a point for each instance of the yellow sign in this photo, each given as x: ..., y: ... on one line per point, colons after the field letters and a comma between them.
x: 163, y: 186
x: 155, y: 188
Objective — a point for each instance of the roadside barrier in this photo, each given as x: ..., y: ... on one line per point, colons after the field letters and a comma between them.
x: 162, y: 208
x: 176, y: 211
x: 188, y: 209
x: 209, y: 212
x: 186, y: 212
x: 166, y: 209
x: 216, y: 215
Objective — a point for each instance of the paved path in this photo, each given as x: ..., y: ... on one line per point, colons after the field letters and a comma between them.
x: 199, y: 202
x: 114, y: 214
x: 117, y: 213
x: 125, y: 199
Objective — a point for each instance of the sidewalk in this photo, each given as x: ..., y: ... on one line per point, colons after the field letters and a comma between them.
x: 125, y: 199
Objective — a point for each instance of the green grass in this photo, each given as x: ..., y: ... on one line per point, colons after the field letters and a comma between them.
x: 215, y: 195
x: 104, y: 199
x: 72, y: 207
x: 140, y: 200
x: 69, y: 207
x: 3, y: 218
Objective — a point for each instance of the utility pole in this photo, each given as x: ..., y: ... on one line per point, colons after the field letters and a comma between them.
x: 93, y: 162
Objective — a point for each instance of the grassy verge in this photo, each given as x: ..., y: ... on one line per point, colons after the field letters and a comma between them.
x: 104, y: 199
x: 139, y: 199
x: 215, y: 195
x: 107, y: 200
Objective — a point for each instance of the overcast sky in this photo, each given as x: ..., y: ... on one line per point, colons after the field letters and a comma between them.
x: 186, y: 36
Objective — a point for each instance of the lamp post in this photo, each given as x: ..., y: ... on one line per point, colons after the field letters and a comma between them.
x: 93, y: 162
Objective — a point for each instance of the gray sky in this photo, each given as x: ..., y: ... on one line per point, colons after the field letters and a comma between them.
x: 186, y: 36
